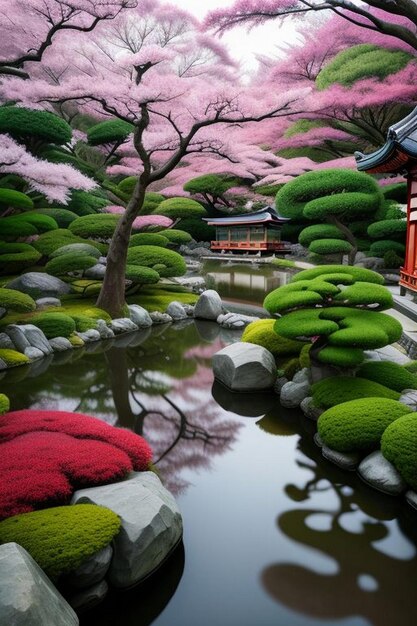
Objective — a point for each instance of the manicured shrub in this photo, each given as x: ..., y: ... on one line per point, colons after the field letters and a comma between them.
x: 358, y: 424
x: 166, y: 262
x: 15, y: 257
x: 319, y: 231
x: 12, y: 358
x: 13, y: 227
x: 411, y: 367
x: 261, y: 332
x: 99, y: 226
x: 69, y: 263
x: 399, y: 446
x: 199, y: 230
x: 358, y: 273
x: 62, y: 538
x: 110, y: 131
x: 176, y: 237
x: 388, y: 373
x: 54, y: 324
x: 4, y: 404
x: 392, y: 260
x: 387, y: 229
x: 49, y: 242
x: 305, y: 360
x: 13, y: 300
x: 62, y: 217
x: 340, y: 357
x: 141, y: 275
x: 66, y: 451
x: 83, y: 323
x: 180, y: 207
x: 82, y: 249
x: 213, y: 185
x: 15, y: 199
x: 86, y: 203
x: 380, y: 248
x: 338, y: 389
x: 397, y: 192
x: 42, y: 223
x: 330, y: 246
x: 148, y: 239
x: 26, y: 124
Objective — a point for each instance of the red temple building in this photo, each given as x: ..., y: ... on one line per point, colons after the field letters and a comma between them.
x: 259, y: 231
x: 399, y: 156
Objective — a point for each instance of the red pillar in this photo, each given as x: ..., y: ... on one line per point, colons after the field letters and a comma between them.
x: 408, y: 275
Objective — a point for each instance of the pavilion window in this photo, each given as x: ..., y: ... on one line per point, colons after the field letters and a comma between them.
x: 273, y: 235
x: 239, y: 233
x: 222, y: 234
x: 257, y: 233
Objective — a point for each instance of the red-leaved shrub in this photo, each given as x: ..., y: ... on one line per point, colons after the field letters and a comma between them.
x: 46, y: 455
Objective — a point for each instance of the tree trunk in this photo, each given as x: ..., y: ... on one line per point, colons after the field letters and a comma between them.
x: 112, y: 294
x: 349, y: 237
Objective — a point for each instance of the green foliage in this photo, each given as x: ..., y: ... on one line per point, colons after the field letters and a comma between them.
x: 411, y: 367
x: 180, y: 207
x: 100, y: 226
x: 12, y: 358
x: 199, y: 230
x: 215, y: 185
x: 330, y: 246
x: 128, y: 184
x: 81, y: 249
x: 399, y: 446
x: 62, y: 538
x: 305, y: 360
x: 86, y: 203
x: 62, y: 217
x: 15, y: 257
x: 84, y: 323
x: 54, y: 324
x: 42, y: 223
x: 70, y: 262
x: 267, y: 190
x: 302, y: 126
x: 396, y: 192
x: 360, y: 62
x: 338, y: 389
x: 357, y: 273
x: 340, y: 357
x: 166, y: 262
x: 176, y: 237
x: 24, y: 124
x: 387, y: 229
x: 392, y: 260
x: 380, y: 248
x: 319, y: 231
x: 346, y: 205
x: 390, y: 374
x: 15, y: 199
x: 47, y: 243
x: 261, y: 332
x: 359, y: 424
x: 148, y: 239
x: 141, y: 275
x: 110, y: 131
x: 14, y: 227
x: 13, y: 300
x: 4, y: 404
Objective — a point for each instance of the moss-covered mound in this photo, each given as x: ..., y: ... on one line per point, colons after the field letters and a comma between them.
x: 13, y: 300
x: 358, y: 424
x: 79, y: 249
x: 389, y: 374
x: 176, y: 237
x: 339, y: 389
x: 140, y: 275
x: 14, y: 257
x: 166, y: 262
x: 62, y: 538
x: 54, y: 324
x: 12, y: 358
x: 51, y: 241
x: 70, y: 262
x: 262, y: 334
x: 62, y: 217
x: 399, y: 446
x: 84, y: 323
x: 99, y: 226
x: 180, y: 207
x: 4, y: 403
x: 357, y: 273
x: 148, y: 239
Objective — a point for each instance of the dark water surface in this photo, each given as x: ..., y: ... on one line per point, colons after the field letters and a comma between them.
x: 274, y: 534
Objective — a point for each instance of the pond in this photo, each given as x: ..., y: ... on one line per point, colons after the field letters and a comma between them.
x: 274, y: 534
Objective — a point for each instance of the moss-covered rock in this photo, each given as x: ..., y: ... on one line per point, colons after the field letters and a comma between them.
x: 339, y: 389
x: 4, y: 404
x: 357, y: 273
x: 166, y: 262
x: 399, y: 446
x: 84, y: 249
x: 390, y: 374
x: 69, y: 262
x: 358, y: 424
x: 99, y: 226
x: 148, y: 239
x: 180, y: 207
x: 12, y: 358
x: 176, y: 237
x: 84, y: 323
x: 14, y: 300
x: 261, y: 332
x: 141, y: 275
x: 62, y: 217
x: 51, y: 241
x: 62, y: 538
x: 54, y: 324
x: 14, y: 257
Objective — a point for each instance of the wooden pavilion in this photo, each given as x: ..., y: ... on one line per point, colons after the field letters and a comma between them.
x: 399, y: 156
x: 259, y: 231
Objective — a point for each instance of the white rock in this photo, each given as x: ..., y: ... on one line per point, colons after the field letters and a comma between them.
x: 104, y: 330
x: 176, y: 311
x: 209, y: 305
x: 17, y: 336
x: 28, y: 335
x: 45, y: 303
x: 90, y: 335
x: 96, y: 272
x: 345, y: 460
x: 292, y: 394
x: 302, y: 376
x: 378, y: 472
x: 33, y: 353
x: 409, y: 398
x: 122, y: 325
x: 279, y: 383
x: 151, y: 524
x: 245, y: 367
x: 160, y: 318
x: 93, y: 570
x: 6, y: 342
x: 60, y: 344
x: 235, y: 320
x: 139, y: 316
x: 87, y: 598
x: 39, y: 285
x: 27, y: 596
x: 189, y: 309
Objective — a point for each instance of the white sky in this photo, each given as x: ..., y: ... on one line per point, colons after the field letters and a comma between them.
x: 244, y: 45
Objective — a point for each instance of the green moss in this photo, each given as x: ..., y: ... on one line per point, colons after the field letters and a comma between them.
x: 15, y: 199
x: 109, y: 131
x: 157, y: 298
x: 397, y: 192
x: 380, y: 248
x: 22, y: 123
x: 366, y: 294
x: 99, y: 226
x: 49, y: 242
x: 358, y: 273
x: 82, y: 249
x: 341, y: 357
x: 4, y: 404
x: 305, y: 360
x: 15, y: 227
x: 388, y: 229
x: 166, y: 262
x: 284, y: 263
x: 148, y: 239
x: 14, y: 257
x: 262, y: 334
x: 411, y: 367
x: 176, y: 237
x: 390, y: 374
x: 13, y: 300
x: 84, y: 323
x: 12, y: 358
x: 69, y: 263
x: 76, y: 341
x: 62, y: 217
x: 199, y: 230
x: 141, y: 275
x: 54, y: 324
x: 330, y: 246
x: 358, y: 424
x: 319, y: 231
x: 399, y: 446
x: 62, y: 538
x: 179, y: 208
x: 338, y: 389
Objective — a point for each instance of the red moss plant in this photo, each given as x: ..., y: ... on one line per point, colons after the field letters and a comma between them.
x: 46, y: 455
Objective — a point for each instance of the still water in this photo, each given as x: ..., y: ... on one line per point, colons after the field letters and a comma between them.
x: 274, y: 534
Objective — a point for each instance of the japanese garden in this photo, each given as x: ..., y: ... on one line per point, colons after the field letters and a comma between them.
x: 208, y: 312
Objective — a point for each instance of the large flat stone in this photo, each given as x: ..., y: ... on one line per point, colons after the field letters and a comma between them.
x: 27, y: 596
x: 39, y: 285
x: 345, y: 460
x: 380, y: 474
x: 151, y: 524
x: 245, y: 367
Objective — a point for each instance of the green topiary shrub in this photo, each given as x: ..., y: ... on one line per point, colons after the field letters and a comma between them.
x: 387, y: 229
x: 358, y: 273
x: 199, y: 230
x: 15, y: 199
x: 100, y: 226
x: 54, y: 324
x: 13, y: 300
x: 399, y: 446
x: 42, y: 223
x: 4, y: 404
x: 81, y: 249
x: 141, y: 275
x: 15, y: 257
x: 70, y: 262
x: 166, y: 262
x: 12, y: 358
x: 86, y: 203
x: 358, y: 424
x: 14, y: 227
x: 110, y: 131
x: 380, y: 248
x: 47, y: 243
x: 261, y: 332
x: 176, y: 237
x: 397, y: 192
x: 330, y: 246
x: 390, y: 374
x: 339, y: 389
x: 62, y: 217
x: 180, y: 207
x: 148, y: 239
x: 62, y: 538
x: 318, y: 231
x: 25, y: 124
x: 392, y: 260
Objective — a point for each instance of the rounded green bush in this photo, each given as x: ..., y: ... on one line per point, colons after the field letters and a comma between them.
x: 358, y: 273
x: 387, y: 229
x: 261, y: 332
x: 341, y: 356
x: 148, y: 239
x: 12, y: 358
x: 397, y: 192
x: 83, y: 323
x: 199, y: 230
x: 22, y: 123
x: 109, y: 131
x: 15, y: 199
x: 319, y: 231
x: 47, y: 243
x: 100, y: 225
x: 180, y: 207
x: 216, y: 185
x: 62, y: 538
x: 353, y: 204
x: 86, y: 203
x: 15, y: 257
x: 399, y: 446
x: 358, y: 424
x: 62, y: 217
x: 380, y: 248
x: 13, y: 300
x: 4, y: 404
x: 82, y: 249
x: 176, y: 237
x: 42, y: 223
x: 14, y: 227
x: 338, y: 389
x: 330, y: 246
x: 166, y: 262
x: 70, y: 262
x: 390, y: 374
x: 54, y: 324
x: 141, y: 275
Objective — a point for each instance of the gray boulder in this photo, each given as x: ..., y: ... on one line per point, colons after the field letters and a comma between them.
x: 309, y: 409
x: 279, y: 383
x: 18, y: 337
x: 209, y: 305
x: 39, y: 284
x: 139, y: 316
x: 33, y: 353
x: 104, y: 330
x: 102, y: 260
x: 3, y: 312
x: 411, y: 497
x: 151, y: 524
x: 45, y: 303
x: 87, y: 598
x: 302, y: 376
x: 176, y: 311
x: 235, y: 321
x: 292, y: 394
x: 27, y: 596
x: 79, y: 249
x: 90, y: 335
x: 195, y: 283
x: 93, y: 570
x: 6, y: 342
x: 123, y: 325
x: 245, y: 367
x: 380, y: 474
x: 318, y: 440
x: 60, y: 344
x: 160, y: 318
x: 96, y: 272
x: 345, y: 460
x: 36, y: 338
x: 3, y: 365
x: 409, y: 398
x: 189, y: 309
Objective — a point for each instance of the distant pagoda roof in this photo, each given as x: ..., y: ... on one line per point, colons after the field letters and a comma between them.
x: 398, y: 152
x: 267, y: 215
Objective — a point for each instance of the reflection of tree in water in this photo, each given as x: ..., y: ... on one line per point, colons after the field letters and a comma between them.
x: 368, y: 582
